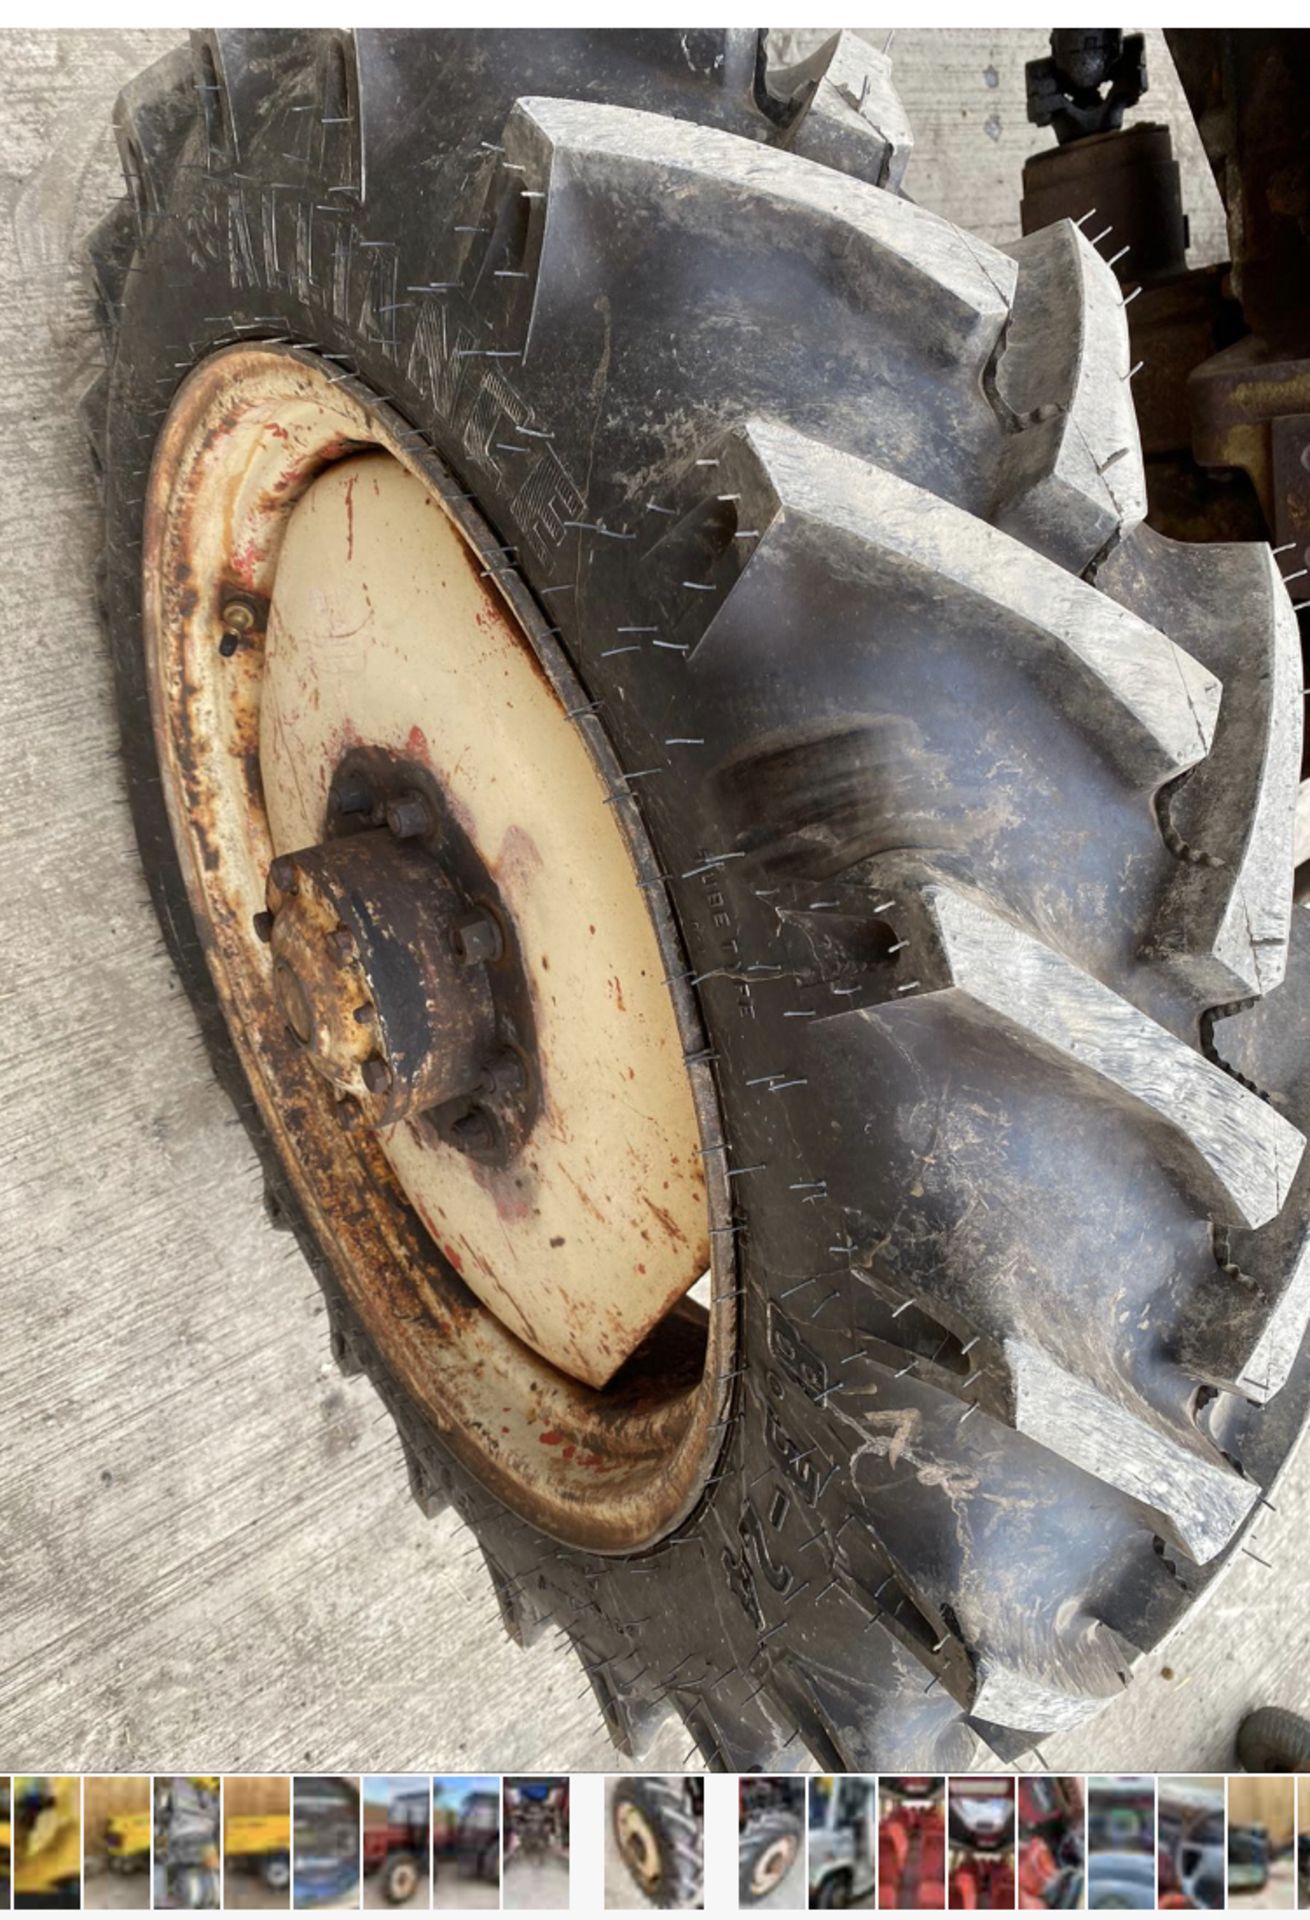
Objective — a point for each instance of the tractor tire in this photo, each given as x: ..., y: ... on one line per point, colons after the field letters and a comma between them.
x: 669, y: 1865
x: 1274, y: 1740
x: 774, y: 1833
x: 399, y: 1878
x: 973, y: 804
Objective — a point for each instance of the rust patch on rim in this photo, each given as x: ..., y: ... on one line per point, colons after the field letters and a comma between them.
x: 612, y: 1468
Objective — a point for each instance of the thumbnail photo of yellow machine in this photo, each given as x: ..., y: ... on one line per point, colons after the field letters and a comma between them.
x: 46, y: 1824
x: 257, y: 1841
x: 116, y: 1824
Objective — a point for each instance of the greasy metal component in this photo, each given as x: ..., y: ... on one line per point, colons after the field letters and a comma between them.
x: 1248, y: 89
x: 1249, y: 410
x: 1129, y: 184
x: 638, y: 1845
x: 366, y: 922
x: 1090, y: 76
x: 609, y: 1472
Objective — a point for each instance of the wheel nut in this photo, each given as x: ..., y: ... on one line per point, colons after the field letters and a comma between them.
x: 263, y: 925
x: 341, y: 943
x: 474, y: 1133
x: 376, y: 1074
x: 354, y: 795
x: 409, y: 815
x: 282, y: 873
x: 477, y: 937
x: 238, y: 616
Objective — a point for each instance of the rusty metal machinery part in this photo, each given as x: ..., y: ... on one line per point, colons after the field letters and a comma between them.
x: 415, y: 1019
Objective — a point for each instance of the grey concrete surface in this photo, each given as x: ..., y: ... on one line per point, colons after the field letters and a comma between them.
x: 535, y: 1886
x: 211, y: 1558
x: 104, y: 1891
x: 246, y: 1893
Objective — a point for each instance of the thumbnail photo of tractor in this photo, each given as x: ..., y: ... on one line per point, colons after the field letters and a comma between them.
x: 535, y: 1874
x: 397, y: 1839
x: 770, y: 1840
x: 257, y: 1840
x: 116, y: 1846
x: 466, y: 1840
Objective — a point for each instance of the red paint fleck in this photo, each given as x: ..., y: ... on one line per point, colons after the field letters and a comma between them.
x: 618, y: 994
x: 417, y: 745
x: 454, y: 1259
x: 350, y: 518
x: 551, y: 1439
x: 568, y: 1453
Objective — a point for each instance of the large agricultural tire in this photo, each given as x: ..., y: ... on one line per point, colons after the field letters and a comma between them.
x: 1274, y: 1740
x: 972, y: 800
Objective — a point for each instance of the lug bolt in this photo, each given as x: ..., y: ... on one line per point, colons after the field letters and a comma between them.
x: 354, y: 795
x: 283, y: 874
x: 505, y: 1075
x: 349, y: 1113
x: 341, y: 944
x: 376, y: 1074
x: 409, y: 815
x: 263, y: 925
x: 474, y: 1133
x: 238, y: 616
x: 364, y: 1015
x: 477, y: 937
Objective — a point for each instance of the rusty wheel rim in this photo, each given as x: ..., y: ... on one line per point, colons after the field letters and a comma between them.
x: 638, y: 1845
x: 604, y: 1460
x: 772, y: 1865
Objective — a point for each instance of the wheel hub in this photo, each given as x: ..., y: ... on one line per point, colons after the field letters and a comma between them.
x: 396, y: 969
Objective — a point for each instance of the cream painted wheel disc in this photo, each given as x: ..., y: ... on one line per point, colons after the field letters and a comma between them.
x: 382, y: 631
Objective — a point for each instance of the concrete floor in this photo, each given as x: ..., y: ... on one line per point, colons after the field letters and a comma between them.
x: 209, y: 1535
x: 535, y: 1886
x: 104, y: 1891
x: 452, y: 1889
x: 246, y: 1892
x: 1277, y: 1895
